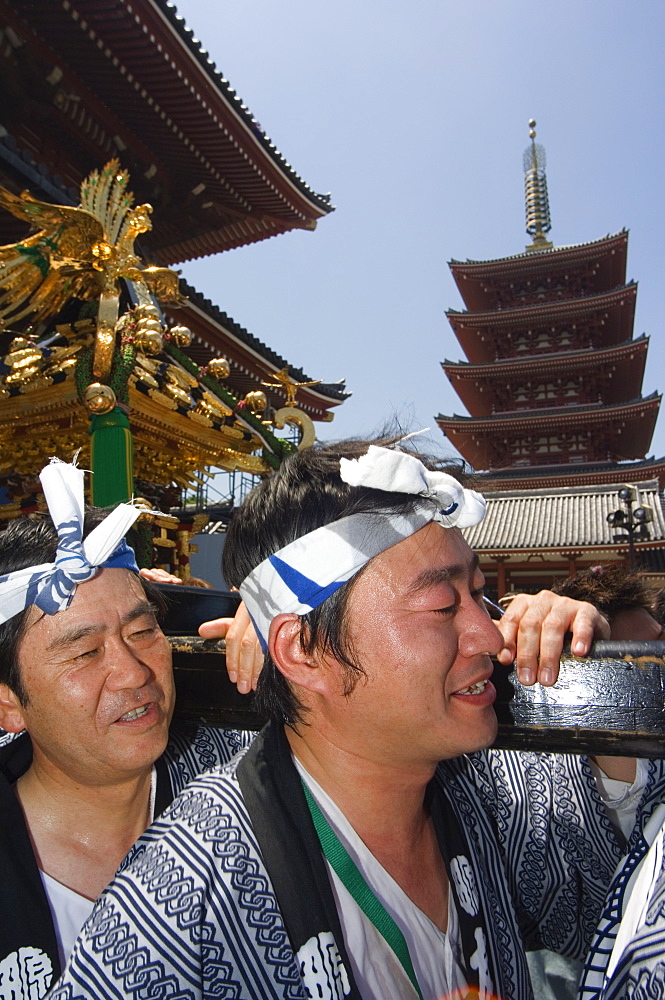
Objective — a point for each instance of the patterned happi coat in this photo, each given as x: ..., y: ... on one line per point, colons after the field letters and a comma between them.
x: 195, y: 915
x: 29, y: 962
x: 639, y: 972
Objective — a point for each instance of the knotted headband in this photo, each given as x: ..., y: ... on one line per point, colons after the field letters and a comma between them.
x: 308, y: 570
x: 51, y: 586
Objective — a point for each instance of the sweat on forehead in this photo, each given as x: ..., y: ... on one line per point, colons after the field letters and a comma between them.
x: 345, y: 506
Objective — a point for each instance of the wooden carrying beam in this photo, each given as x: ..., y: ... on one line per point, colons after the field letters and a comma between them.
x: 611, y: 702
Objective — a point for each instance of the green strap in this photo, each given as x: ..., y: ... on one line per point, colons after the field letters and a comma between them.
x: 344, y: 867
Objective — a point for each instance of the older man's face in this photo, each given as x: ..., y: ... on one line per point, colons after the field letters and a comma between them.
x: 99, y: 682
x: 419, y: 628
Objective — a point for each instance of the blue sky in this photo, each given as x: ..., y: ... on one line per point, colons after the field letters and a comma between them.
x: 415, y: 117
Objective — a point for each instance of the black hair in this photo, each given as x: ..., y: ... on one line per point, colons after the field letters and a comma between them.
x: 306, y: 493
x: 31, y: 540
x: 611, y: 589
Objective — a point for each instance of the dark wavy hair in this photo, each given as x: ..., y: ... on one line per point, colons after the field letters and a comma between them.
x: 306, y: 493
x: 611, y: 589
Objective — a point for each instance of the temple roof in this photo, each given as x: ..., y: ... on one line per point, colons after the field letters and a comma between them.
x: 251, y: 360
x: 571, y: 474
x: 624, y: 430
x: 130, y: 78
x: 555, y: 309
x: 557, y: 416
x: 542, y: 259
x: 603, y: 263
x: 543, y: 364
x: 479, y: 386
x: 539, y: 520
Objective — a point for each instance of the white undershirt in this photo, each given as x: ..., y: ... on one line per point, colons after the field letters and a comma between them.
x: 641, y: 889
x: 620, y: 798
x: 435, y: 955
x: 69, y: 909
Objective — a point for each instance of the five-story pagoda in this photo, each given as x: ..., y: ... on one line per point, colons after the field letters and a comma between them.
x: 553, y: 378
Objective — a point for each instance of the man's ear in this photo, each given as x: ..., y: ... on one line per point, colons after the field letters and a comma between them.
x: 286, y: 652
x: 11, y: 712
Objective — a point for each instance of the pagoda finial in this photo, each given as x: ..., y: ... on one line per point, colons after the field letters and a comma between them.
x: 535, y: 191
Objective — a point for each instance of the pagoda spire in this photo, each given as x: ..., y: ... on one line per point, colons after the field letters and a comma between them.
x: 535, y: 192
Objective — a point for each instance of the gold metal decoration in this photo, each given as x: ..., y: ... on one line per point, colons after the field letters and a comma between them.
x: 182, y: 335
x: 219, y: 367
x: 99, y: 398
x: 284, y: 381
x: 82, y: 252
x: 292, y: 415
x: 257, y: 401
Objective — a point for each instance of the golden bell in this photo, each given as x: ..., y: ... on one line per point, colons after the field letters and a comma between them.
x: 257, y: 401
x: 182, y: 335
x: 219, y: 367
x: 149, y: 325
x: 99, y: 398
x: 150, y: 340
x: 147, y: 312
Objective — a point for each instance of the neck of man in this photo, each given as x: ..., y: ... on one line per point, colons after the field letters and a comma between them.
x: 80, y: 832
x: 385, y: 805
x: 383, y: 801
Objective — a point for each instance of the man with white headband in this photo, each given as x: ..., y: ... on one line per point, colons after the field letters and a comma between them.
x: 86, y: 680
x: 366, y: 845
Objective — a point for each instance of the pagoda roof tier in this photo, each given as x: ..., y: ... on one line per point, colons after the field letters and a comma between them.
x: 571, y: 475
x: 627, y: 429
x: 559, y: 519
x: 121, y: 78
x: 252, y: 362
x: 603, y: 262
x: 609, y: 314
x: 480, y: 386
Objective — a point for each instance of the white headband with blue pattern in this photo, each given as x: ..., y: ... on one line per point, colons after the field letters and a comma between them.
x: 51, y: 586
x: 308, y: 570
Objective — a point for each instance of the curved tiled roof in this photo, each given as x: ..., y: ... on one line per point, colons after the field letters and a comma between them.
x: 334, y: 390
x: 588, y: 357
x: 539, y: 255
x: 532, y: 520
x: 595, y: 410
x: 220, y: 82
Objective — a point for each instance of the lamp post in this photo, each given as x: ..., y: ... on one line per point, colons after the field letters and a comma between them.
x: 630, y: 520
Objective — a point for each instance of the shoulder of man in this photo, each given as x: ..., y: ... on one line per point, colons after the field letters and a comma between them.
x: 192, y: 750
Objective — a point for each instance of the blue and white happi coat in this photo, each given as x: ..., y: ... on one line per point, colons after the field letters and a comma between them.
x: 29, y: 956
x: 194, y: 913
x: 638, y: 971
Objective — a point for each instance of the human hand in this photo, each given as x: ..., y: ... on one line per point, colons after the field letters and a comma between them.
x: 244, y: 656
x: 533, y: 630
x: 158, y: 576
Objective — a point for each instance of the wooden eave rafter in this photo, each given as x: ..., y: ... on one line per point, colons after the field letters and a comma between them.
x: 200, y: 136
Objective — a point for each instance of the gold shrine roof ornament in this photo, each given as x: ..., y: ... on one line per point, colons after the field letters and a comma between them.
x: 119, y: 358
x: 82, y: 252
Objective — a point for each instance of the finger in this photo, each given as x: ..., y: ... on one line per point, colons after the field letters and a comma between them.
x: 241, y: 651
x: 156, y: 575
x: 527, y: 650
x: 508, y: 629
x: 215, y: 629
x: 250, y: 661
x: 588, y: 624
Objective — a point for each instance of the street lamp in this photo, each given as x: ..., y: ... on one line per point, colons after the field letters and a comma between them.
x: 631, y: 521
